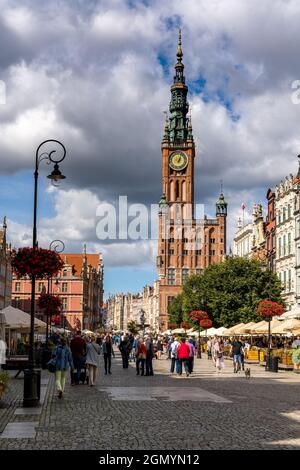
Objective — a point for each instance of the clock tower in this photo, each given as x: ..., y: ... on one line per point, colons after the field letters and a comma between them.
x: 184, y: 244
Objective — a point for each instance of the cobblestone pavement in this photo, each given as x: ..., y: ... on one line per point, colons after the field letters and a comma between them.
x: 204, y: 411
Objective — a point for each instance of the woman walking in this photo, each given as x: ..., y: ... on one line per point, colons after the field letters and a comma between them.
x: 107, y: 348
x: 93, y: 351
x: 183, y: 352
x: 63, y: 361
x: 159, y: 348
x: 219, y: 350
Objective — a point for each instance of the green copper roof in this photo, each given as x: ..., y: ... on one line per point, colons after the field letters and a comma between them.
x: 179, y: 130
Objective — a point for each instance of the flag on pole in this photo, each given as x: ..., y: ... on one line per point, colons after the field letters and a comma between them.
x: 243, y: 206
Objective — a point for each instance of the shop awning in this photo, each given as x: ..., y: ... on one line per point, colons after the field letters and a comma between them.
x: 16, y: 319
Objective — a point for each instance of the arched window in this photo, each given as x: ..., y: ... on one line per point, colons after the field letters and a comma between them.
x: 172, y: 195
x: 183, y: 189
x: 177, y: 189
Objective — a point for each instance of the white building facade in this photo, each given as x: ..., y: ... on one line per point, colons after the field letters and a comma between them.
x: 285, y: 262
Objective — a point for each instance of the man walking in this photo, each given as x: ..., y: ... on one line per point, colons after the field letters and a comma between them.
x: 236, y: 352
x: 149, y: 356
x: 78, y: 349
x: 125, y: 348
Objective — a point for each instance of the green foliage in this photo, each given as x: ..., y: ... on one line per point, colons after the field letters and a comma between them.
x: 175, y: 310
x: 4, y: 380
x: 229, y: 292
x: 132, y: 327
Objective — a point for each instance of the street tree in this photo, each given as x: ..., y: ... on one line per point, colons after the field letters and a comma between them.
x: 229, y: 292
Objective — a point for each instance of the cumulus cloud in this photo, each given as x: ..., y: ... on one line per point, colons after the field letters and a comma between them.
x: 96, y: 75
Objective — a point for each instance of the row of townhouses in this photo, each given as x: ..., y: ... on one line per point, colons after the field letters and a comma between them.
x: 275, y: 238
x: 79, y: 285
x: 124, y: 308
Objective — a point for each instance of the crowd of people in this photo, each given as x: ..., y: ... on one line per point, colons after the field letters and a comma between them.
x: 81, y: 356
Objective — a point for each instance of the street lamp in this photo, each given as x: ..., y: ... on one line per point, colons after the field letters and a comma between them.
x: 142, y: 320
x: 58, y: 246
x: 31, y: 380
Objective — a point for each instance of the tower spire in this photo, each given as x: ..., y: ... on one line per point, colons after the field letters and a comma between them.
x: 179, y: 106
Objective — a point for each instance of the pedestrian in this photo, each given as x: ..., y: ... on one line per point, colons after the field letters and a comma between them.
x: 159, y: 348
x: 141, y: 356
x: 236, y: 352
x: 169, y: 347
x: 108, y: 351
x: 93, y: 351
x: 209, y: 355
x: 149, y: 355
x: 219, y: 351
x: 63, y: 361
x: 191, y: 355
x: 2, y: 352
x: 174, y: 357
x: 183, y: 352
x: 125, y: 348
x: 78, y: 348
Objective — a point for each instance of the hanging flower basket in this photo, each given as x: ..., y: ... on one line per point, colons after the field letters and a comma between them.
x: 51, y: 304
x: 185, y: 325
x: 268, y: 308
x: 198, y: 315
x: 206, y: 323
x: 40, y: 263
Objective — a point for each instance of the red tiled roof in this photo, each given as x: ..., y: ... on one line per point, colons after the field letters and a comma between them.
x: 77, y: 259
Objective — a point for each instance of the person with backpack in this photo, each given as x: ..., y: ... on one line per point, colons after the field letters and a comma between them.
x: 63, y: 361
x: 93, y: 351
x: 125, y: 348
x: 174, y: 358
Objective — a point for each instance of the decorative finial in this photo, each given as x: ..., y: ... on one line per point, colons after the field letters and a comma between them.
x: 179, y: 49
x: 221, y: 186
x: 190, y: 119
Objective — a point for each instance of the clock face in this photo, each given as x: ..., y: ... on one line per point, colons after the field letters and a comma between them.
x: 178, y: 161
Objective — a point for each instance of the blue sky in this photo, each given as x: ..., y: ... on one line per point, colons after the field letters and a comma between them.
x: 98, y: 79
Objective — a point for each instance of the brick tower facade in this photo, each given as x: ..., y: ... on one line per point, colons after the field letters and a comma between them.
x: 186, y: 245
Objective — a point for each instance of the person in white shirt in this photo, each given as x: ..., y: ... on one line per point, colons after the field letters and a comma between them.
x: 173, y: 349
x: 296, y: 342
x: 2, y: 352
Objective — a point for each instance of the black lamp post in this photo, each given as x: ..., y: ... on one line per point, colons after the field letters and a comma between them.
x: 143, y: 320
x: 31, y: 377
x: 58, y: 246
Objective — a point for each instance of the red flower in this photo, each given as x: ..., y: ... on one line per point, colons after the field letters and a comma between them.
x: 268, y: 308
x: 40, y: 262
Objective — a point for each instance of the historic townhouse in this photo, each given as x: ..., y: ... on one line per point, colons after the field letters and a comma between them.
x: 285, y: 195
x: 250, y: 239
x: 271, y: 230
x: 79, y: 285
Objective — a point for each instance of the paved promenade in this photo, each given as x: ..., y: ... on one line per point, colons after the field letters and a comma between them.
x: 123, y: 411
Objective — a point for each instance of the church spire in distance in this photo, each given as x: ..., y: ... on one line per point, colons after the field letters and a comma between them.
x: 179, y: 106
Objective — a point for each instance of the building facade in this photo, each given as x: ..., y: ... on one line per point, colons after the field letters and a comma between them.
x: 285, y: 196
x: 185, y: 245
x: 250, y: 239
x: 242, y: 242
x: 5, y: 269
x: 79, y: 285
x: 271, y: 230
x: 124, y: 308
